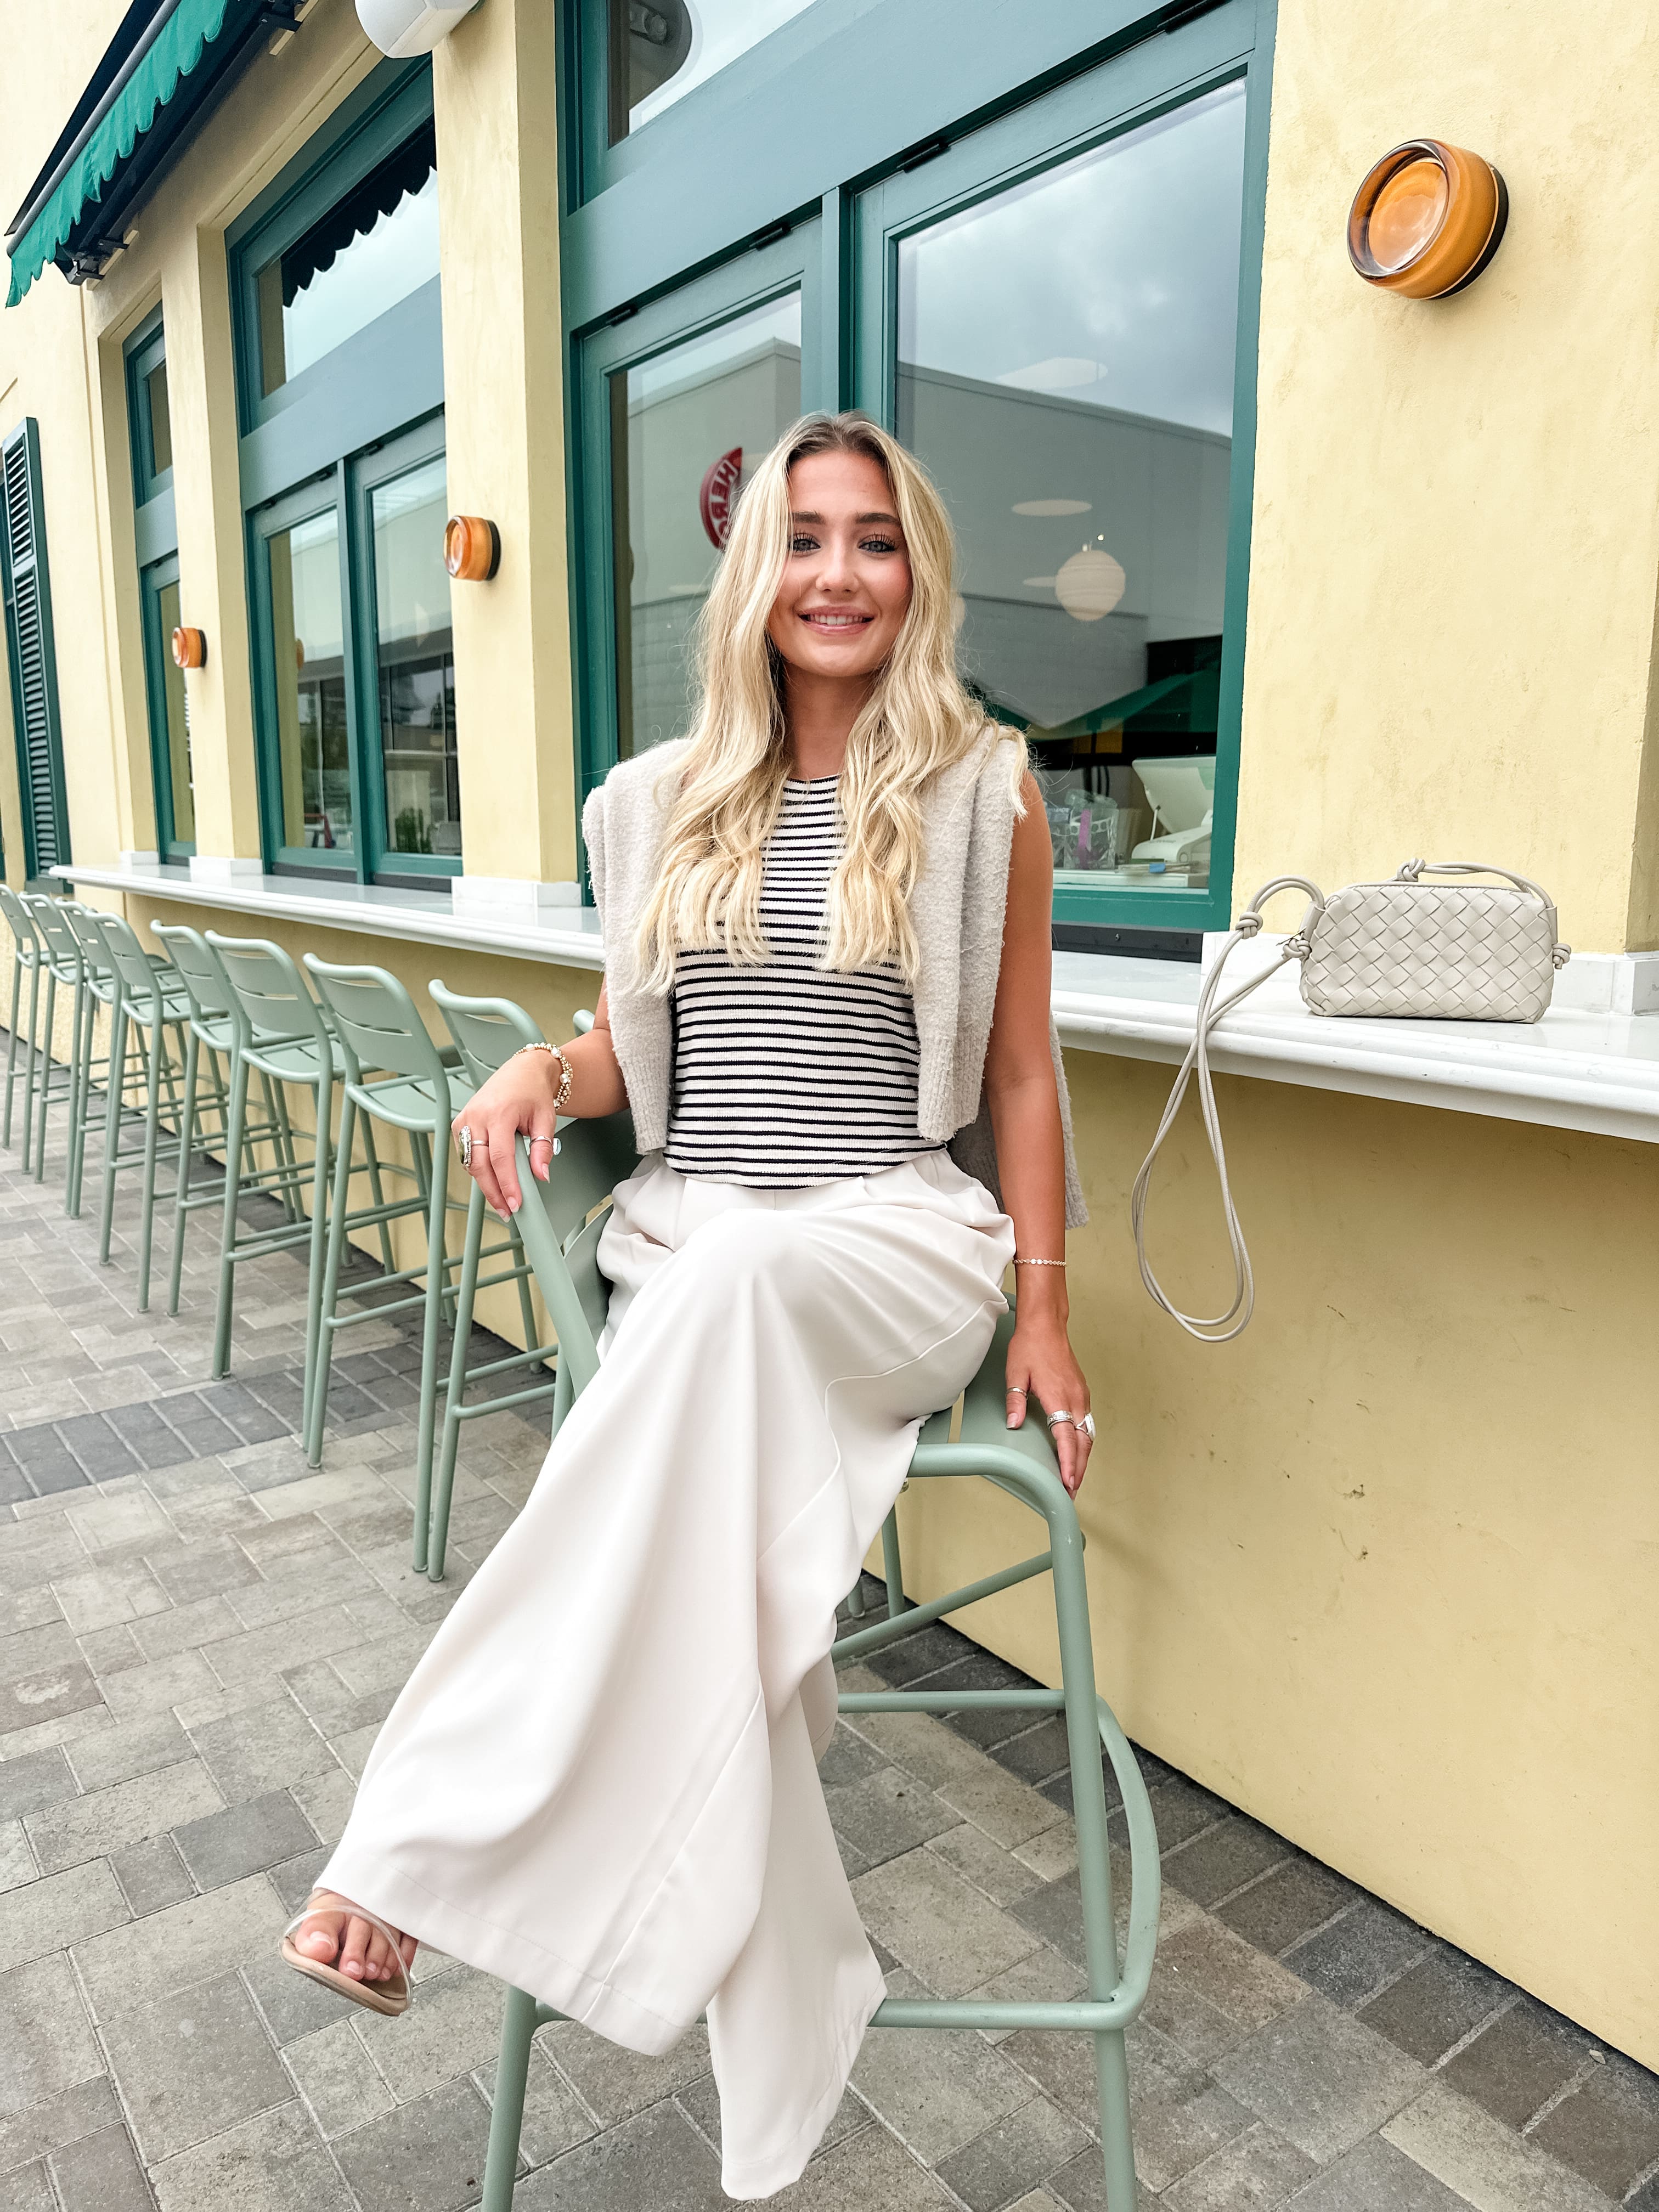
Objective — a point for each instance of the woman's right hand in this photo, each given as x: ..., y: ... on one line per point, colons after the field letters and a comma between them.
x: 518, y: 1098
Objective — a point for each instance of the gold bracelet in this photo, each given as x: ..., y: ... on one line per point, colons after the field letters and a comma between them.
x: 1039, y: 1263
x: 567, y: 1074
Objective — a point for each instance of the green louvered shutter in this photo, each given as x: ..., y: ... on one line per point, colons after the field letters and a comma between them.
x: 28, y: 596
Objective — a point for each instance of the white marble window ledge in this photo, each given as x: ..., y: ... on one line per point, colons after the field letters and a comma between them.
x: 1579, y: 1068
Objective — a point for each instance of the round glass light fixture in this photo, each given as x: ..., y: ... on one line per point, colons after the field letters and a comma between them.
x: 1091, y: 583
x: 1427, y: 219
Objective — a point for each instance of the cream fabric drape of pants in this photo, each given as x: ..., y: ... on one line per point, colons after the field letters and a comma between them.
x: 599, y: 1782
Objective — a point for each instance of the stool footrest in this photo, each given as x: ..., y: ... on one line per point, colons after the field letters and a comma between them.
x: 918, y: 1616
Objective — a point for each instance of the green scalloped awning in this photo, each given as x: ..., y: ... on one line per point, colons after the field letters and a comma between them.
x: 178, y: 50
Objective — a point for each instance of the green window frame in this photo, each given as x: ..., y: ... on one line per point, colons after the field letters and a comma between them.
x: 30, y: 651
x: 320, y: 441
x: 155, y: 533
x: 861, y: 126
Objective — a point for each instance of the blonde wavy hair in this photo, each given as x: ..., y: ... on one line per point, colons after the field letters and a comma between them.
x: 920, y: 717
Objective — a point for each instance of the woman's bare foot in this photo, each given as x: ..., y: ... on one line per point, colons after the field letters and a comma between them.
x: 335, y: 1936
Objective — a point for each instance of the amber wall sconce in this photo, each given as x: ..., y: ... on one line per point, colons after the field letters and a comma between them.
x: 1427, y: 220
x: 190, y: 648
x: 472, y: 549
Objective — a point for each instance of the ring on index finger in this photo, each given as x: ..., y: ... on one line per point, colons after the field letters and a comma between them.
x: 464, y: 1146
x: 1085, y: 1427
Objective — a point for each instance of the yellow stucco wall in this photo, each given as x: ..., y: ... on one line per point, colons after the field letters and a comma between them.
x: 1384, y: 1572
x: 1456, y: 540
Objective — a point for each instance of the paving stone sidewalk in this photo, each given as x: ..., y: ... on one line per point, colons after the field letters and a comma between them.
x: 199, y: 1639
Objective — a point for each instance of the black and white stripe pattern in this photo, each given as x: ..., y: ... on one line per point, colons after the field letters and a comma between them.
x: 786, y: 1074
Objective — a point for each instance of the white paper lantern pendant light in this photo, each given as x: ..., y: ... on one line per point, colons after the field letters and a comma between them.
x: 1091, y: 583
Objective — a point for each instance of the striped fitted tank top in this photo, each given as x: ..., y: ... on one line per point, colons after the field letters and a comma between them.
x: 787, y: 1074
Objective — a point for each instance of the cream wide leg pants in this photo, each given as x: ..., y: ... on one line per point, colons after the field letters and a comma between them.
x: 599, y: 1782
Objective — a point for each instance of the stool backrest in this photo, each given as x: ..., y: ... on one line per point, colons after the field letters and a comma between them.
x: 378, y: 1024
x: 200, y: 971
x: 138, y: 979
x: 22, y: 926
x: 487, y: 1031
x: 271, y: 992
x: 100, y: 969
x: 63, y: 946
x: 560, y: 1223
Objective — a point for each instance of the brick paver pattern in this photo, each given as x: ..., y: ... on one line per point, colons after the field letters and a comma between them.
x: 199, y: 1639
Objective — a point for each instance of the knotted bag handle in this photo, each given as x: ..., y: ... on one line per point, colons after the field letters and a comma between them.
x: 1219, y: 1328
x: 1411, y: 872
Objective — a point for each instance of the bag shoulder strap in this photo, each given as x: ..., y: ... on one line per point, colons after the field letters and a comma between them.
x: 1218, y: 1328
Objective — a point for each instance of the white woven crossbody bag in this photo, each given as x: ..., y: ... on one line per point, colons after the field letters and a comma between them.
x: 1402, y: 949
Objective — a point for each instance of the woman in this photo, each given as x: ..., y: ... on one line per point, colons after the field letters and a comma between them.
x: 826, y: 916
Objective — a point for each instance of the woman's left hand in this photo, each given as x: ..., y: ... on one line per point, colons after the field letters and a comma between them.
x: 1041, y: 1365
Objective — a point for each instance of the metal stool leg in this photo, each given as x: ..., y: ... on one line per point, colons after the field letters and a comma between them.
x: 11, y: 1042
x: 322, y: 1360
x: 235, y: 1123
x: 893, y: 1565
x: 28, y: 1075
x: 507, y: 2106
x: 152, y: 1134
x: 465, y: 1296
x: 436, y: 1284
x: 186, y: 1161
x: 113, y: 1106
x: 317, y: 1258
x: 45, y: 1078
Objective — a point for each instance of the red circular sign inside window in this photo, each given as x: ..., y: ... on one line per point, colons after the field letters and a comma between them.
x: 718, y: 496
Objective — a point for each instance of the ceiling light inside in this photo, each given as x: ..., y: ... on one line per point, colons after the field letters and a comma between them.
x: 1052, y: 505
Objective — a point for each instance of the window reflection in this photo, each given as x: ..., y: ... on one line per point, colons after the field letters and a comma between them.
x: 311, y: 700
x: 180, y: 777
x: 1065, y: 371
x: 660, y: 50
x: 416, y: 663
x: 373, y: 248
x: 682, y: 426
x: 160, y: 420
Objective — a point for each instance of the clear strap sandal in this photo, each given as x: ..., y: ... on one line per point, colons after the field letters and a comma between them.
x: 389, y: 1997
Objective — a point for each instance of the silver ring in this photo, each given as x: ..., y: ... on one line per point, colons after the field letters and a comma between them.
x: 464, y: 1146
x: 1016, y: 1390
x: 1085, y: 1427
x: 546, y: 1140
x: 1060, y: 1415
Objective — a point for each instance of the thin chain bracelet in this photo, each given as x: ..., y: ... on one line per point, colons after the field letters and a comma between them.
x: 1038, y: 1263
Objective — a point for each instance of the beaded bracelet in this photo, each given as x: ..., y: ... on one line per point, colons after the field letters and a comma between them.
x: 1038, y: 1263
x: 567, y: 1074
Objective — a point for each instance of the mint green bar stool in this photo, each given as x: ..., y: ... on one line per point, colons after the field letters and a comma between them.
x: 378, y: 1027
x: 560, y: 1223
x: 486, y: 1033
x: 28, y: 959
x: 100, y: 990
x: 60, y: 955
x: 151, y: 1014
x: 283, y: 1034
x: 217, y: 1030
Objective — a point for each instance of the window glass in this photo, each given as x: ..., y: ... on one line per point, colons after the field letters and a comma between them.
x: 161, y: 421
x: 309, y: 642
x: 660, y: 50
x: 176, y: 763
x: 372, y: 249
x: 1064, y: 370
x: 416, y: 664
x: 684, y: 426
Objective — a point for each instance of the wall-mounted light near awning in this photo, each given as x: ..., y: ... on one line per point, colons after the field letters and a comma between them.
x: 1427, y: 220
x: 190, y: 648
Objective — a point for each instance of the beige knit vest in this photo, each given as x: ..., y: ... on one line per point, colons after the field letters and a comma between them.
x: 956, y: 910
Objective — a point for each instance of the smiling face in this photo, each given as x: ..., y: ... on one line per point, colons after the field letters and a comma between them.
x: 846, y: 585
